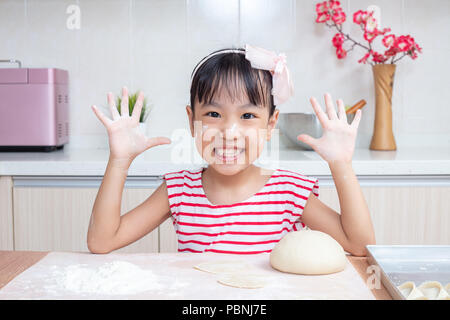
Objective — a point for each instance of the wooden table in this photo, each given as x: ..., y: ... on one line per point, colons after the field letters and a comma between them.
x: 12, y: 263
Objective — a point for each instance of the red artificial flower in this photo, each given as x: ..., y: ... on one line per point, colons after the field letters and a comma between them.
x: 392, y: 51
x: 417, y: 47
x: 404, y: 43
x: 330, y: 9
x: 388, y: 40
x: 360, y: 16
x: 322, y: 7
x: 338, y: 40
x: 401, y: 44
x: 339, y: 16
x: 323, y: 17
x: 377, y: 57
x: 371, y: 24
x: 370, y: 36
x: 364, y: 59
x: 334, y: 5
x: 414, y: 48
x: 341, y: 53
x: 385, y: 30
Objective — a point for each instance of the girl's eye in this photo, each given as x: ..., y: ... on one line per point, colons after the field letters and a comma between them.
x: 213, y: 114
x: 246, y: 115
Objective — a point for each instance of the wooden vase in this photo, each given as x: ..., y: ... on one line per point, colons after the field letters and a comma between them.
x: 383, y: 136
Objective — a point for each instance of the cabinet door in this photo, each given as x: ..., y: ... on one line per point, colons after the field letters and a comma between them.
x: 6, y: 214
x: 57, y: 218
x: 404, y: 215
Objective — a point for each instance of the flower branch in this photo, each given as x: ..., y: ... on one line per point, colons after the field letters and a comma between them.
x: 331, y: 14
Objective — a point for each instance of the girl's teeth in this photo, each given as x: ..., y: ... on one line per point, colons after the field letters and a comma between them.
x: 228, y: 153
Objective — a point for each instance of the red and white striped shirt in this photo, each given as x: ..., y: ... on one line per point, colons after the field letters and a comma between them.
x: 252, y: 226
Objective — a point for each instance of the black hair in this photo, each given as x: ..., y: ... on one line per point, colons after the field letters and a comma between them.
x: 230, y: 69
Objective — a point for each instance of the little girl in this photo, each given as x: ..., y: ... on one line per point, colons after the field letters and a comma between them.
x: 231, y: 205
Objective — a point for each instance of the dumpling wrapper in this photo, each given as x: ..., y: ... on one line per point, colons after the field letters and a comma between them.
x: 433, y: 290
x: 224, y: 267
x: 246, y: 281
x: 409, y: 290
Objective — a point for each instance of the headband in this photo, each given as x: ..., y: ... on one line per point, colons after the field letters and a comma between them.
x: 282, y: 87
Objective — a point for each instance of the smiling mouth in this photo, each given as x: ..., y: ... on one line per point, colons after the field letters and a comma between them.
x: 228, y: 155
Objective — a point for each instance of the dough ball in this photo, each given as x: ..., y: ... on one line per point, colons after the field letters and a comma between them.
x: 308, y: 252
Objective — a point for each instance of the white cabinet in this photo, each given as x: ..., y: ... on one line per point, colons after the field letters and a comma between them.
x: 404, y: 215
x: 53, y: 214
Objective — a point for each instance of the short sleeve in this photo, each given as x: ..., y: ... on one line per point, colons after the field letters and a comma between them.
x: 309, y: 185
x: 315, y: 188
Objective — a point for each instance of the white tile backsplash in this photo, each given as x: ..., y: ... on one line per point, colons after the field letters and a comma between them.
x: 159, y: 26
x: 268, y: 24
x: 13, y: 30
x: 105, y: 58
x: 212, y: 25
x: 153, y: 45
x: 428, y: 23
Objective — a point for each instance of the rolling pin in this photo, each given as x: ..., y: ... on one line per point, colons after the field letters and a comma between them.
x: 357, y: 106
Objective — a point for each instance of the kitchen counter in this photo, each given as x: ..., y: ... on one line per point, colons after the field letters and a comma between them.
x: 13, y: 263
x: 167, y: 158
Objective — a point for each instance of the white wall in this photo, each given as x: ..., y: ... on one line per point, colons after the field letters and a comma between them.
x: 153, y: 45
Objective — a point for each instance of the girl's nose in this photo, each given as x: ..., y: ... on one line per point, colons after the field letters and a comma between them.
x: 234, y: 136
x: 231, y: 131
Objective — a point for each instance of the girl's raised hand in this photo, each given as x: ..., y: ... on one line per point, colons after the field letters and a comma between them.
x: 126, y: 141
x: 338, y: 140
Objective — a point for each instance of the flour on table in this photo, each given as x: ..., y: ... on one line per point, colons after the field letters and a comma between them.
x: 113, y: 278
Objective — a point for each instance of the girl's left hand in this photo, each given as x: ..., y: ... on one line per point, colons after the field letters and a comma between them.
x: 338, y: 140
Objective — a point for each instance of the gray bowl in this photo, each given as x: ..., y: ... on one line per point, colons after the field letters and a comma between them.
x: 293, y: 124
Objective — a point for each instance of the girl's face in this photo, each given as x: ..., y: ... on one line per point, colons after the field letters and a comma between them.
x: 230, y: 135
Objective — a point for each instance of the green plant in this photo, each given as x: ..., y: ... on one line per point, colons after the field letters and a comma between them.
x: 131, y: 102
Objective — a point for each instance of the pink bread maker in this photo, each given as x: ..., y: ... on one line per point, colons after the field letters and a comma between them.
x: 34, y: 108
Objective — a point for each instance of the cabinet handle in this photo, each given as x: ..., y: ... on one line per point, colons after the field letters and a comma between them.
x: 82, y: 182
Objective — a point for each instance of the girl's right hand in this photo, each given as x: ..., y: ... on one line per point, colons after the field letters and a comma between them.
x: 126, y: 141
